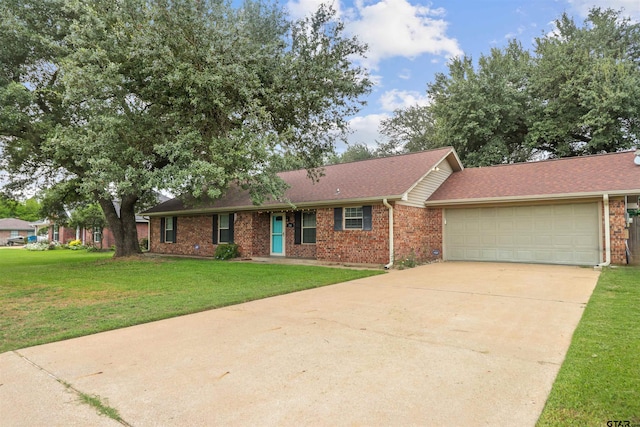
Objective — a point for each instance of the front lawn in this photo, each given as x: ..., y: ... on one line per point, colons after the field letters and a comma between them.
x: 599, y: 381
x: 54, y: 295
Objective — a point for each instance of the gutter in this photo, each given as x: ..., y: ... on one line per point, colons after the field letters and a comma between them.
x: 607, y: 232
x: 388, y: 206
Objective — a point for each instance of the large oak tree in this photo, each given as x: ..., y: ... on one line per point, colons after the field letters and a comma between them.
x: 576, y: 93
x: 109, y: 100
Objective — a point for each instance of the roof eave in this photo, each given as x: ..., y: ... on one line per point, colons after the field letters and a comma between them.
x: 276, y: 206
x: 529, y: 198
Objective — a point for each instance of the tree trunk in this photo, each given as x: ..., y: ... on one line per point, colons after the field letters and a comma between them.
x: 123, y: 225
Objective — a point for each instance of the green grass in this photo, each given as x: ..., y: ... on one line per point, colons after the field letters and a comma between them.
x: 599, y: 380
x: 54, y: 295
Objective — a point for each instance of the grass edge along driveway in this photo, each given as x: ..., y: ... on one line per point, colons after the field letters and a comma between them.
x: 599, y: 381
x: 55, y: 295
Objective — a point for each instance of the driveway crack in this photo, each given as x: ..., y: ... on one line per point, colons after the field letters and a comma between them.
x: 94, y: 401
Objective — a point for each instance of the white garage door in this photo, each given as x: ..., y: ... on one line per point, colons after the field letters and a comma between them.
x: 550, y: 234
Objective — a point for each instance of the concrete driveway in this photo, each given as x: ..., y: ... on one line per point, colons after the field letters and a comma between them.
x: 443, y: 344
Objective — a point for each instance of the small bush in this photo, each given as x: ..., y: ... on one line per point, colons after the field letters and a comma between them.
x: 144, y: 244
x: 39, y: 246
x: 227, y: 251
x: 93, y: 249
x: 75, y: 245
x: 409, y: 261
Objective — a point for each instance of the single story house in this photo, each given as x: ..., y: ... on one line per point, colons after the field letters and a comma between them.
x: 58, y: 232
x: 425, y: 206
x: 13, y: 227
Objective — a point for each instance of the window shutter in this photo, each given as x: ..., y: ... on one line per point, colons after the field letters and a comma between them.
x: 162, y: 225
x: 366, y: 218
x: 337, y: 219
x: 297, y: 239
x: 232, y: 218
x: 214, y: 233
x: 175, y: 229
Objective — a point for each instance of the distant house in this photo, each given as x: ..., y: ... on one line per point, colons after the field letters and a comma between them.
x: 13, y: 227
x: 424, y: 206
x: 96, y: 237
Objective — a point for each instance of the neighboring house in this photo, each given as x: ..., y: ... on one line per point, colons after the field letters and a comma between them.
x: 97, y: 237
x: 13, y: 227
x: 424, y: 206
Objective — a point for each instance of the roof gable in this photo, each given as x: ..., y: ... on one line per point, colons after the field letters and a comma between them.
x: 586, y: 175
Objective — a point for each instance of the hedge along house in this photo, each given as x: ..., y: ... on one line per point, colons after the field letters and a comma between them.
x: 424, y: 206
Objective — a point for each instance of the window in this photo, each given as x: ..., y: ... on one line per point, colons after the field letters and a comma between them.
x: 56, y: 232
x: 168, y: 229
x: 222, y: 228
x: 97, y: 234
x: 353, y: 218
x: 225, y: 232
x: 14, y: 233
x: 308, y: 227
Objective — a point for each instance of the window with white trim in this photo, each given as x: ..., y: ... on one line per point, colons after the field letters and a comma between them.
x: 56, y: 232
x: 14, y: 233
x: 169, y: 235
x: 353, y: 218
x: 224, y: 231
x: 308, y: 227
x: 97, y: 234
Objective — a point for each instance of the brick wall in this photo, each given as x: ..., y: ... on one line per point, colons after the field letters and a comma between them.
x: 617, y: 225
x: 357, y: 246
x: 417, y: 233
x: 193, y: 237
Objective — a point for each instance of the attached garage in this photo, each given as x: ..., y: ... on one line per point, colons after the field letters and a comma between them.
x: 550, y: 234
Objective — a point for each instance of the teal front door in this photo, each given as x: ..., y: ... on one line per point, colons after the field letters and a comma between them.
x: 277, y: 234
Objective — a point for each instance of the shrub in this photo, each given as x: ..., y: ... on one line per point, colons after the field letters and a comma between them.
x: 227, y: 251
x: 39, y: 246
x: 74, y: 245
x: 144, y: 244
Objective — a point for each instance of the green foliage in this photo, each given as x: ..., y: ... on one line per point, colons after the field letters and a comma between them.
x: 227, y: 251
x: 353, y: 153
x: 78, y: 293
x: 144, y: 244
x: 29, y: 210
x: 110, y: 103
x: 577, y: 93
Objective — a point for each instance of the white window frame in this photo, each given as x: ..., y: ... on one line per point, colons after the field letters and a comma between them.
x: 351, y: 214
x: 55, y: 235
x: 228, y: 228
x: 169, y: 220
x: 308, y: 227
x: 14, y: 233
x: 97, y: 235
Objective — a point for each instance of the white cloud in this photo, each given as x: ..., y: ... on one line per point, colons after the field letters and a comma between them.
x: 301, y: 8
x: 512, y: 35
x: 391, y: 28
x: 631, y: 7
x: 365, y: 130
x: 396, y: 99
x: 395, y: 28
x: 405, y: 74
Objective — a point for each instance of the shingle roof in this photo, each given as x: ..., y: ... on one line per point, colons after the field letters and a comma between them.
x: 14, y: 224
x: 378, y: 178
x: 598, y: 174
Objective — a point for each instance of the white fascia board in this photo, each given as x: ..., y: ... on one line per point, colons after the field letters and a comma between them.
x: 532, y: 198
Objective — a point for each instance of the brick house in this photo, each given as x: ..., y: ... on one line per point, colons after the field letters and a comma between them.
x: 424, y: 206
x: 13, y: 227
x: 90, y: 237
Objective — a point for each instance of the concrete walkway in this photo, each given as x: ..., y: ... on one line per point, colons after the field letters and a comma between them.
x: 443, y: 344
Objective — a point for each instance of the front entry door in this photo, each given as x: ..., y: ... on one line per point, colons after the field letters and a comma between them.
x: 277, y: 234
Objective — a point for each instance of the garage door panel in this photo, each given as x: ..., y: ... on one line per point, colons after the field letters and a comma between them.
x: 562, y: 234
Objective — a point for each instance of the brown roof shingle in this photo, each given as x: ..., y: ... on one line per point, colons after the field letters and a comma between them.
x: 388, y: 177
x: 597, y: 174
x: 15, y: 224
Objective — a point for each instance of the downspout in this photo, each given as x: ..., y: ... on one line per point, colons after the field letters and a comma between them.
x: 388, y: 206
x: 607, y: 232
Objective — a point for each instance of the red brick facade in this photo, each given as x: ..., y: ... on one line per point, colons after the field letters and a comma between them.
x: 617, y: 224
x: 417, y: 234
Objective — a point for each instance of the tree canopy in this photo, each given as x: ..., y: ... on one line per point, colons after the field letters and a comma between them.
x: 111, y: 100
x: 577, y: 93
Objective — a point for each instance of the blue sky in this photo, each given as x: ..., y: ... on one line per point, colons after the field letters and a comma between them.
x: 411, y: 40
